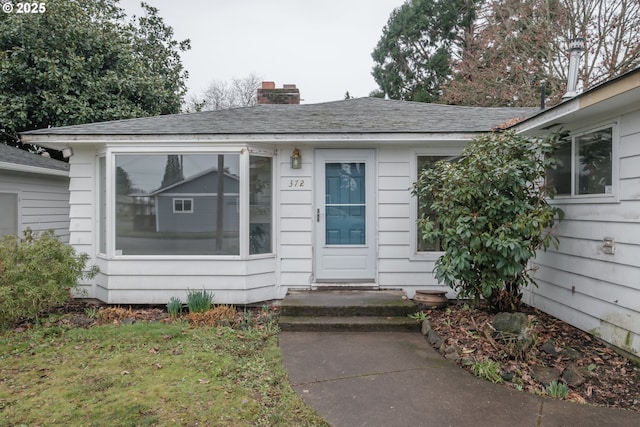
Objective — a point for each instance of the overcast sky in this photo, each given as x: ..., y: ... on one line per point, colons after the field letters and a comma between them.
x: 322, y: 46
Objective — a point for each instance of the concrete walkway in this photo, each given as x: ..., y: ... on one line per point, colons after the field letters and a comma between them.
x: 397, y: 379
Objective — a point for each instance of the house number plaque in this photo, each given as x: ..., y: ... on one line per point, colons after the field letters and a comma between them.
x: 296, y: 183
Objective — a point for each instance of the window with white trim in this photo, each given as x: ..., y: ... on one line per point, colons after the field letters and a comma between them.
x: 423, y: 245
x: 182, y: 205
x: 585, y: 165
x: 154, y: 191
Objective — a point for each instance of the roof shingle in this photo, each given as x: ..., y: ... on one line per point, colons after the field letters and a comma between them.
x: 362, y: 115
x: 21, y: 157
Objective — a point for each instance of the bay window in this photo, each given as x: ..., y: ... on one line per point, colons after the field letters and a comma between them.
x: 191, y: 204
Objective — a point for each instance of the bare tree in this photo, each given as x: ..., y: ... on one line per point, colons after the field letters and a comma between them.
x: 515, y: 46
x: 611, y: 29
x: 506, y: 55
x: 240, y: 92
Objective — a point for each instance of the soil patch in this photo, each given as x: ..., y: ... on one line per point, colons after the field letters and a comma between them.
x: 594, y: 372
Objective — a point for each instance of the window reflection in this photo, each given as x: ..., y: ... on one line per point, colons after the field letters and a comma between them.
x: 260, y: 202
x: 423, y: 245
x: 345, y: 207
x: 177, y: 204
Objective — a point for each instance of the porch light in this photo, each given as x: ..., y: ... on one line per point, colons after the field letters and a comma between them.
x: 296, y: 159
x: 67, y: 152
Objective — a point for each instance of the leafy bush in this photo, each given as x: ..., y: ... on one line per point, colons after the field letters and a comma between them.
x: 37, y: 273
x: 199, y: 301
x: 491, y: 215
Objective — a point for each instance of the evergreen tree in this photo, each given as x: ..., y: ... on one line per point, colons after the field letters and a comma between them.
x: 173, y: 171
x: 412, y: 58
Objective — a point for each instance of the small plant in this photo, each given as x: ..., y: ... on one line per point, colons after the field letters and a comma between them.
x: 247, y: 319
x: 174, y: 307
x: 558, y: 390
x: 487, y: 369
x: 199, y: 301
x: 418, y: 316
x: 91, y: 312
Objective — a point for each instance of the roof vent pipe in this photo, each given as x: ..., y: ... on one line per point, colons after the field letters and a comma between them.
x: 576, y: 46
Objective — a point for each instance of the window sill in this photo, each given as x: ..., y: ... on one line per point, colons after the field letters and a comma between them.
x: 185, y: 257
x: 425, y: 256
x: 573, y: 200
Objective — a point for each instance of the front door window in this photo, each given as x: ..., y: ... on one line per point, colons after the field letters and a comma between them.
x: 345, y: 205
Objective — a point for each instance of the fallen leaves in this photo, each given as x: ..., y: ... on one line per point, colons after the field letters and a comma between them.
x: 610, y: 379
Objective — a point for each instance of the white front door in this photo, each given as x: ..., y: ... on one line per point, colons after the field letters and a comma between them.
x: 345, y: 247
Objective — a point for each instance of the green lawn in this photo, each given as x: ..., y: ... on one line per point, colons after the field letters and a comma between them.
x: 146, y: 374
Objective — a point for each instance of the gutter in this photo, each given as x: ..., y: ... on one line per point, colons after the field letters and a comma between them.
x: 33, y: 169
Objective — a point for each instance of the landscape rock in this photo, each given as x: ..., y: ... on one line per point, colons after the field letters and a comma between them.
x: 451, y: 353
x: 426, y: 327
x: 544, y: 374
x: 570, y: 353
x: 572, y: 376
x: 434, y: 338
x: 513, y: 323
x: 507, y: 376
x: 549, y: 348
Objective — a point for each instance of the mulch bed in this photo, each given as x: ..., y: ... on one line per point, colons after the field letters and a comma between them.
x: 594, y: 372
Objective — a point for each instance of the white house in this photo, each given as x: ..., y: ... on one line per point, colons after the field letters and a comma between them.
x: 34, y: 193
x: 323, y: 197
x: 593, y: 279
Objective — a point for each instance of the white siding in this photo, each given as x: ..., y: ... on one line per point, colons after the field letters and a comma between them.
x: 138, y: 281
x: 295, y: 220
x: 82, y: 213
x: 581, y: 284
x: 399, y: 266
x: 43, y: 201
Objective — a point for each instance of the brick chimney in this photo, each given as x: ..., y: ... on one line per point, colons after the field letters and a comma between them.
x: 268, y: 94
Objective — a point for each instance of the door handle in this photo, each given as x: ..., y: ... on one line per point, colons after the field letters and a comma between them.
x: 318, y: 215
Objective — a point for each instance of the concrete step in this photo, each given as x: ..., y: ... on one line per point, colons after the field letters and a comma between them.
x: 347, y: 310
x: 347, y: 303
x: 349, y: 324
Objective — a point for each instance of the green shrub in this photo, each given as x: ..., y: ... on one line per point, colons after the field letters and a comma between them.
x: 489, y: 210
x: 37, y: 273
x: 199, y: 301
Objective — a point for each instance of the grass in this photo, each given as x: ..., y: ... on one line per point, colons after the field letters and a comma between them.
x: 557, y: 390
x: 146, y: 374
x: 487, y: 369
